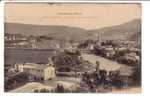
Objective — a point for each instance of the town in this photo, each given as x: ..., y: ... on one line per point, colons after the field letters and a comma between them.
x: 75, y: 67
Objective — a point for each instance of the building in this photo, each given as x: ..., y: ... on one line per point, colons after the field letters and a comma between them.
x: 38, y: 72
x: 132, y: 56
x: 109, y: 52
x: 99, y: 40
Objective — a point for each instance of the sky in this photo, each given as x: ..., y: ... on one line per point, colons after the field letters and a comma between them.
x: 88, y: 16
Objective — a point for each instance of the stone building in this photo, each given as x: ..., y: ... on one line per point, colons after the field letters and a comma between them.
x: 36, y: 72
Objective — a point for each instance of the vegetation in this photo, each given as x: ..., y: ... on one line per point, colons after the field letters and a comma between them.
x: 15, y: 81
x: 68, y: 61
x: 42, y: 90
x: 136, y: 76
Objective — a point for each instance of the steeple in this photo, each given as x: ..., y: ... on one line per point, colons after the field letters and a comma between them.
x: 99, y: 39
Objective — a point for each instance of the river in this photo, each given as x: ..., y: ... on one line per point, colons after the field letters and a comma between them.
x: 106, y: 64
x: 12, y: 56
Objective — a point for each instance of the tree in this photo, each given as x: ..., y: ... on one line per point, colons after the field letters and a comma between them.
x: 97, y: 65
x: 136, y: 76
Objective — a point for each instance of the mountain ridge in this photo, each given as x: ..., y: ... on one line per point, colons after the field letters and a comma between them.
x: 122, y: 31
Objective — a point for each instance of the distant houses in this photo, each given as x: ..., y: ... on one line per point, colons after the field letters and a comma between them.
x: 19, y: 41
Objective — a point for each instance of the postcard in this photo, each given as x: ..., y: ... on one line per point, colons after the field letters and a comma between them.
x: 72, y: 47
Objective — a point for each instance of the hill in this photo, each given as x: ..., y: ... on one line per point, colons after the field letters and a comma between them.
x: 123, y: 31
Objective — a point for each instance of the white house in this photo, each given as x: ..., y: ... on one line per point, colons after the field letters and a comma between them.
x: 132, y: 56
x: 37, y: 71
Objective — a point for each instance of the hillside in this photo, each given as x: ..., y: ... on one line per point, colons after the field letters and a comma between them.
x: 123, y: 31
x: 57, y: 32
x: 135, y: 37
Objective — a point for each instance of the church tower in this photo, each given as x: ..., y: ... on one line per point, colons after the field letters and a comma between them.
x: 99, y: 39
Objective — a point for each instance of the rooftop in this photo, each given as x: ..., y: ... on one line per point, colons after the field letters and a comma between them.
x: 35, y: 66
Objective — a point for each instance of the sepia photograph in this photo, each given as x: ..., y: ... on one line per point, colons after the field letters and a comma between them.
x: 72, y: 47
x: 75, y: 0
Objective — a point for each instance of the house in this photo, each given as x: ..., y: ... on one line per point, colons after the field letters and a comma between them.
x: 109, y: 52
x: 36, y: 72
x: 132, y: 56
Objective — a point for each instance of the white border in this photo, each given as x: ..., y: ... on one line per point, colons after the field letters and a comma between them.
x: 1, y: 46
x: 145, y: 65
